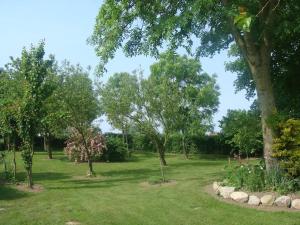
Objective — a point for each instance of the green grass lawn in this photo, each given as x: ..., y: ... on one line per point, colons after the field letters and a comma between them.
x: 116, y: 195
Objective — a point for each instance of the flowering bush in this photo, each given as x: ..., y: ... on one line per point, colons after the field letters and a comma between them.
x: 82, y: 147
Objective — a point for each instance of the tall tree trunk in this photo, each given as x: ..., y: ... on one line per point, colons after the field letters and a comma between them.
x: 262, y: 77
x: 47, y: 145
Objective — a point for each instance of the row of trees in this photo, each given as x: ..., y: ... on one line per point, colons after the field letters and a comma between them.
x: 38, y: 97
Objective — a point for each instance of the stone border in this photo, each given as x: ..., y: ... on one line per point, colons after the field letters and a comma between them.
x: 267, y: 201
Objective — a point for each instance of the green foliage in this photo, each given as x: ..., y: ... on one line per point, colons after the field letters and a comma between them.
x: 250, y: 177
x: 242, y: 130
x: 254, y: 177
x: 276, y: 179
x: 115, y: 149
x: 286, y: 147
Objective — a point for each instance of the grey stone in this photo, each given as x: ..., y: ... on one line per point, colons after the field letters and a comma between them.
x: 267, y: 200
x: 239, y: 196
x: 283, y: 201
x: 225, y: 192
x: 296, y: 204
x: 254, y: 200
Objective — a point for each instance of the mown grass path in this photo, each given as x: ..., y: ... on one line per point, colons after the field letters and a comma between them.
x: 116, y: 195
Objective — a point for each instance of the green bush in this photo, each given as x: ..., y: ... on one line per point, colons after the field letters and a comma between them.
x: 250, y: 177
x: 277, y: 180
x: 115, y: 149
x: 286, y: 147
x: 256, y: 178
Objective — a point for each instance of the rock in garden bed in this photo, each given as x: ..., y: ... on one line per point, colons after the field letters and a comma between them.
x: 283, y: 201
x: 270, y: 201
x: 267, y: 199
x: 239, y: 196
x: 296, y: 204
x: 254, y: 200
x: 225, y: 191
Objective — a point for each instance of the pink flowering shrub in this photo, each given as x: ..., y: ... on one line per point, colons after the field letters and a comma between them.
x: 84, y: 146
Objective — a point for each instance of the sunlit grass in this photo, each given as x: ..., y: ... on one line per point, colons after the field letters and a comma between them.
x: 117, y: 196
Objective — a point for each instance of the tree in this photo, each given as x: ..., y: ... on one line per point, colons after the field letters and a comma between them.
x: 116, y: 99
x: 82, y: 148
x: 241, y: 129
x: 141, y: 27
x: 33, y: 69
x: 78, y: 101
x: 52, y: 124
x: 9, y: 103
x: 196, y: 94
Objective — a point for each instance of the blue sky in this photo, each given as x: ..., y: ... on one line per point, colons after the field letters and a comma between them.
x: 66, y: 24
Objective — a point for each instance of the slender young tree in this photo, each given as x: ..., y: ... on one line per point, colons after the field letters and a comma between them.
x: 79, y: 102
x: 34, y: 70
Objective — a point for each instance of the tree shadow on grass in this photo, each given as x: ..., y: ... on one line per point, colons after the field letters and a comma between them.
x: 43, y: 176
x: 197, y: 163
x: 9, y: 193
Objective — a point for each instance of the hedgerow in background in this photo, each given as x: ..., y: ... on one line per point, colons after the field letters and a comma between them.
x: 286, y: 147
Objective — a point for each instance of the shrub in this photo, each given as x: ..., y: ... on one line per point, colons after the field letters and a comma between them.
x: 256, y: 178
x: 277, y: 180
x: 115, y: 149
x: 250, y: 177
x: 83, y: 148
x: 286, y: 147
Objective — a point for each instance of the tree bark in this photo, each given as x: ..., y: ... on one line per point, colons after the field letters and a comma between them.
x: 14, y: 158
x: 184, y: 147
x: 29, y: 176
x: 161, y: 153
x: 47, y: 145
x: 262, y: 78
x: 92, y: 173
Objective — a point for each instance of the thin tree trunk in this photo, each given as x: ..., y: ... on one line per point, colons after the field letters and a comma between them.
x: 8, y: 142
x: 14, y: 159
x: 91, y: 171
x: 184, y: 147
x: 29, y: 176
x: 47, y: 145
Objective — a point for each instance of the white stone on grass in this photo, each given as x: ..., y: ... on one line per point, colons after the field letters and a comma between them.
x: 283, y: 201
x: 267, y: 200
x: 296, y: 204
x: 254, y: 200
x: 216, y: 187
x: 239, y: 196
x: 225, y: 192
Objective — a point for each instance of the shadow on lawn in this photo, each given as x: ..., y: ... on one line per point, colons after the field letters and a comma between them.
x: 9, y: 193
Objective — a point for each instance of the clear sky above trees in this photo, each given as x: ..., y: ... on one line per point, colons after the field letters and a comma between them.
x: 65, y: 25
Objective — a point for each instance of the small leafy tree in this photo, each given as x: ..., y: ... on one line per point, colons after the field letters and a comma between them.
x: 116, y: 98
x: 33, y: 69
x: 82, y: 148
x: 79, y: 104
x: 241, y: 130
